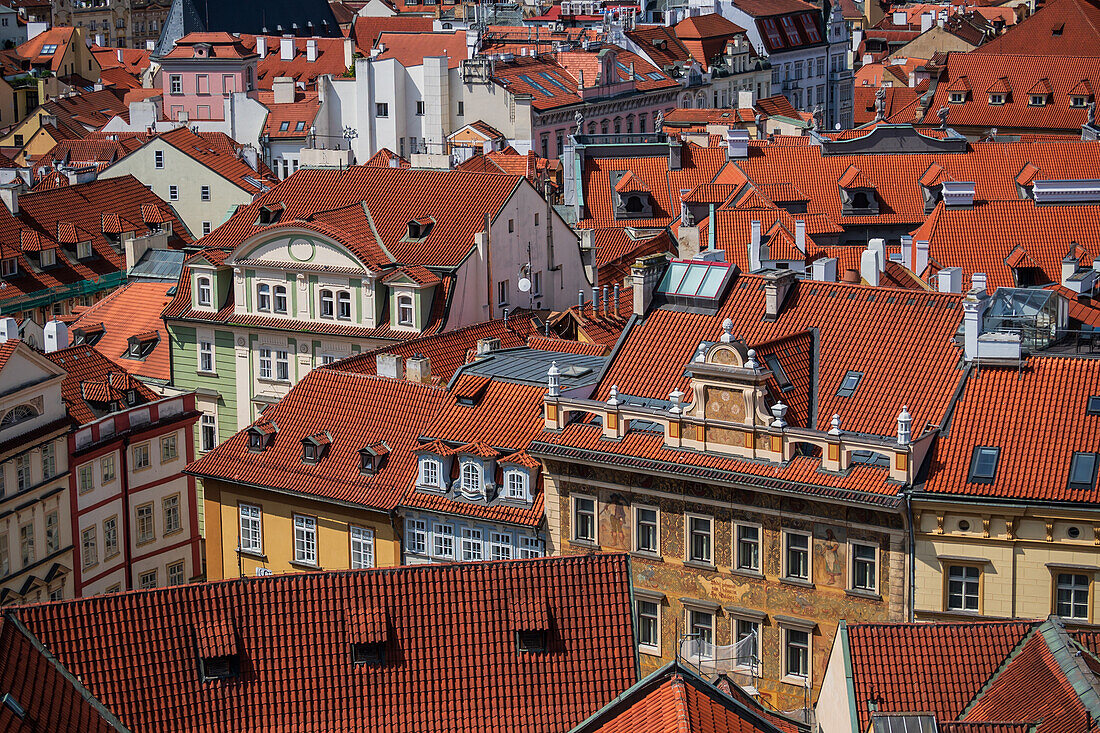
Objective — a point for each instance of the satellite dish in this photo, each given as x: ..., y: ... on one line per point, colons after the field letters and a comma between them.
x: 524, y: 284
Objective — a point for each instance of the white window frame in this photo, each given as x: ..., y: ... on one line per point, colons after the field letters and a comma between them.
x: 787, y: 533
x: 416, y: 536
x: 644, y: 648
x: 85, y: 479
x: 430, y: 471
x: 89, y: 547
x: 158, y: 159
x: 852, y: 560
x: 737, y: 527
x: 689, y: 549
x: 1073, y: 588
x: 266, y: 361
x: 305, y: 539
x: 282, y: 365
x: 361, y: 547
x: 500, y: 546
x: 250, y: 528
x: 635, y: 534
x: 530, y: 547
x: 965, y: 581
x: 279, y: 293
x: 692, y: 626
x: 515, y: 484
x: 206, y: 357
x: 473, y: 544
x: 263, y: 297
x: 204, y: 193
x: 110, y: 537
x: 573, y: 514
x: 177, y: 569
x: 326, y: 297
x: 139, y: 523
x: 205, y: 283
x: 793, y: 677
x: 406, y: 310
x: 343, y: 305
x: 467, y: 486
x: 443, y: 540
x: 755, y: 624
x: 211, y: 422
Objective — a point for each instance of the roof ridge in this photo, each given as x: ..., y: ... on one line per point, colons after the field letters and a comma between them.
x: 1012, y: 655
x: 1060, y: 645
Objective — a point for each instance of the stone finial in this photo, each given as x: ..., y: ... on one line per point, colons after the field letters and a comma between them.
x: 779, y: 411
x: 905, y: 426
x: 553, y: 380
x: 727, y: 328
x: 613, y: 396
x: 751, y: 363
x: 676, y: 397
x: 835, y: 423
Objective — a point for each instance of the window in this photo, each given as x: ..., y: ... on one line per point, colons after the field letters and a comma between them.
x: 1082, y: 471
x: 10, y: 267
x: 956, y: 97
x: 205, y: 228
x: 429, y: 472
x: 443, y: 541
x: 471, y: 545
x: 502, y: 293
x: 1093, y: 406
x: 343, y: 305
x: 362, y: 547
x: 748, y: 655
x: 265, y: 363
x: 584, y: 519
x: 1074, y: 101
x: 530, y: 547
x: 168, y: 450
x: 171, y: 509
x: 204, y: 193
x: 173, y: 193
x: 649, y: 626
x: 305, y: 539
x: 369, y: 654
x: 381, y: 109
x: 175, y: 84
x: 416, y: 536
x: 851, y: 379
x: 511, y: 226
x: 796, y: 654
x: 963, y: 587
x: 500, y: 546
x: 175, y: 573
x: 209, y: 432
x: 280, y: 299
x: 5, y: 562
x: 110, y: 537
x: 263, y: 297
x: 141, y: 456
x: 515, y: 485
x: 797, y: 564
x: 284, y: 126
x: 22, y: 472
x: 145, y: 523
x: 1073, y: 596
x: 47, y: 258
x: 748, y: 547
x: 983, y: 465
x: 405, y: 310
x: 471, y: 478
x: 1038, y: 100
x: 461, y: 109
x: 996, y: 99
x: 53, y: 534
x: 646, y: 530
x: 777, y: 371
x: 148, y: 580
x: 206, y: 356
x: 85, y: 481
x: 420, y: 108
x: 26, y: 544
x: 206, y: 294
x: 536, y: 277
x: 701, y: 625
x: 864, y: 567
x: 251, y: 539
x: 699, y: 539
x: 202, y: 83
x: 328, y: 304
x: 88, y: 548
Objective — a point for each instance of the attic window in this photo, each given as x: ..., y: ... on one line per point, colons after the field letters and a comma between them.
x: 372, y: 458
x: 49, y: 49
x: 531, y: 641
x: 983, y: 465
x: 848, y: 384
x: 1037, y: 100
x: 83, y: 250
x: 284, y: 126
x: 957, y: 97
x: 1093, y: 407
x: 217, y: 650
x: 777, y: 371
x: 300, y: 127
x: 996, y: 99
x: 369, y: 654
x: 1078, y: 101
x: 419, y: 228
x: 269, y: 216
x: 218, y: 668
x: 1082, y: 471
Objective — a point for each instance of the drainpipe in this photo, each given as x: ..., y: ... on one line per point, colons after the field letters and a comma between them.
x: 124, y: 479
x: 912, y: 556
x: 710, y: 229
x: 488, y: 265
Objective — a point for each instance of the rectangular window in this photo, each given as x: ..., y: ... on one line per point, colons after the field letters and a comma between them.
x: 148, y: 580
x: 649, y: 626
x: 748, y: 547
x: 158, y: 159
x: 420, y: 108
x: 168, y: 451
x: 5, y: 561
x: 1082, y: 471
x: 362, y: 547
x: 381, y: 109
x: 175, y: 573
x: 26, y: 544
x: 864, y: 567
x: 107, y: 468
x: 141, y: 456
x: 145, y: 529
x: 584, y: 519
x: 89, y: 548
x: 797, y: 565
x: 265, y: 363
x: 22, y: 472
x: 110, y: 537
x: 530, y: 547
x: 173, y: 193
x: 645, y: 530
x: 282, y: 366
x: 429, y: 473
x: 983, y: 465
x: 699, y: 538
x: 49, y: 461
x: 461, y: 109
x: 416, y: 536
x: 471, y: 545
x: 203, y: 83
x: 251, y: 538
x: 53, y: 534
x: 443, y: 541
x: 746, y: 634
x: 502, y: 293
x: 1073, y: 596
x: 209, y: 435
x: 701, y: 625
x: 305, y: 539
x: 796, y: 653
x: 500, y: 546
x: 204, y: 193
x: 175, y: 84
x: 849, y: 384
x: 205, y: 228
x: 85, y: 481
x: 171, y: 508
x: 228, y: 86
x: 963, y: 588
x: 206, y: 356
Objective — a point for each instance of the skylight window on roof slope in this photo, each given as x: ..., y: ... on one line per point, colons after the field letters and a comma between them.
x: 1082, y: 471
x: 1093, y: 407
x: 849, y: 384
x: 553, y: 80
x: 983, y: 464
x: 538, y: 87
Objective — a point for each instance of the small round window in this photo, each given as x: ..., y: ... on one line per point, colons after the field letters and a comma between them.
x: 964, y: 525
x: 1074, y: 532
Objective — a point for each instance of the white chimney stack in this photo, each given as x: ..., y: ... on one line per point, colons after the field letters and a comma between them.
x: 878, y: 246
x: 978, y: 282
x: 118, y: 55
x: 899, y: 17
x: 311, y: 50
x: 754, y: 248
x: 824, y: 269
x: 868, y: 267
x: 920, y: 256
x: 974, y: 305
x: 9, y: 329
x: 286, y: 48
x: 390, y: 365
x: 744, y: 99
x: 418, y: 369
x: 800, y: 235
x: 950, y: 280
x: 737, y: 143
x: 261, y: 46
x: 907, y: 251
x: 56, y: 336
x: 1069, y: 268
x: 958, y: 193
x: 905, y: 426
x: 9, y: 194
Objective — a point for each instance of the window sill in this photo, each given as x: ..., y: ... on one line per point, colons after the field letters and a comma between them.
x: 795, y: 680
x: 745, y: 573
x: 112, y: 556
x: 173, y: 532
x: 962, y: 614
x: 142, y: 543
x: 651, y: 556
x: 587, y: 544
x: 253, y: 554
x: 701, y: 565
x: 202, y: 373
x: 650, y: 650
x: 272, y: 380
x: 305, y: 565
x: 797, y: 582
x: 868, y: 594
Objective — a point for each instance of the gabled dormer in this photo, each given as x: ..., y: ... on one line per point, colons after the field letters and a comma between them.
x: 958, y: 91
x: 217, y: 650
x: 373, y: 457
x: 211, y: 281
x: 434, y: 466
x: 1040, y: 93
x: 140, y: 345
x: 418, y: 229
x: 88, y: 334
x: 412, y: 290
x: 261, y: 435
x: 857, y: 193
x: 999, y: 92
x: 476, y: 471
x: 633, y: 198
x: 316, y: 446
x: 519, y: 472
x: 270, y: 214
x: 1081, y: 94
x: 931, y: 186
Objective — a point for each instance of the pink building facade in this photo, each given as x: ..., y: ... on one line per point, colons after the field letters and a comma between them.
x: 203, y: 70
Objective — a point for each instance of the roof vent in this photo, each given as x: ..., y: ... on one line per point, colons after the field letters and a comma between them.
x: 1066, y: 192
x: 958, y: 193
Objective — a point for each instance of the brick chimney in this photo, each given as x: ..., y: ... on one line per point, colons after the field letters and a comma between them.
x: 777, y: 286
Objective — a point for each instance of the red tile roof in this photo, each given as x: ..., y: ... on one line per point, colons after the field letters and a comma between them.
x: 132, y: 309
x: 618, y: 248
x: 1035, y: 468
x: 1058, y: 28
x: 137, y: 652
x: 105, y: 379
x: 898, y: 99
x: 222, y: 46
x: 546, y: 343
x: 385, y: 158
x: 410, y: 49
x: 331, y: 59
x: 301, y: 113
x: 367, y: 30
x: 217, y: 151
x: 705, y: 36
x: 59, y: 38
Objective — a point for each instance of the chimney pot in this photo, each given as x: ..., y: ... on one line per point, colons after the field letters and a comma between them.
x: 595, y: 300
x: 645, y: 274
x: 920, y: 256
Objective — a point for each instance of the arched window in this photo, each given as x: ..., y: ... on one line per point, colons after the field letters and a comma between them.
x: 859, y: 200
x: 591, y: 128
x: 18, y: 414
x: 343, y: 302
x: 634, y: 204
x: 328, y: 305
x: 618, y: 125
x: 603, y: 127
x: 471, y: 478
x: 280, y: 299
x: 630, y: 123
x: 206, y: 293
x: 686, y: 101
x: 263, y: 297
x: 701, y: 101
x: 405, y: 310
x: 515, y: 485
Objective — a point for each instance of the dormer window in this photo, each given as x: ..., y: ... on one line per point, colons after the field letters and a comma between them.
x: 131, y: 396
x: 531, y: 641
x: 9, y: 267
x: 1078, y: 101
x: 368, y: 630
x: 633, y: 198
x: 1037, y: 100
x: 369, y: 655
x: 406, y: 313
x: 260, y: 435
x: 516, y: 483
x: 83, y: 250
x: 205, y: 292
x: 470, y: 483
x: 315, y: 447
x: 372, y: 458
x: 996, y: 99
x: 956, y: 97
x: 269, y: 215
x: 216, y: 644
x: 47, y: 258
x: 430, y: 470
x: 419, y: 228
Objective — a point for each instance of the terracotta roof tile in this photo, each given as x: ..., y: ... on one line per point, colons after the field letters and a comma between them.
x: 366, y: 30
x: 106, y: 381
x: 1058, y: 28
x: 410, y: 49
x: 132, y: 309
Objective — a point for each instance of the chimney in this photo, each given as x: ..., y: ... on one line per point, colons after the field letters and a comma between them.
x: 118, y: 55
x: 9, y: 194
x: 418, y: 369
x: 899, y: 17
x: 824, y: 269
x: 905, y: 426
x: 1069, y: 268
x: 282, y: 88
x: 580, y: 299
x: 754, y: 248
x: 737, y: 144
x: 907, y: 251
x: 868, y: 266
x: 949, y: 280
x: 250, y: 156
x: 878, y: 246
x: 286, y: 48
x: 390, y: 365
x: 957, y: 194
x: 311, y: 50
x: 261, y: 46
x: 486, y: 346
x: 616, y: 296
x: 977, y: 282
x: 777, y: 286
x: 9, y: 329
x: 645, y: 274
x: 55, y: 336
x: 800, y: 235
x: 974, y: 305
x: 595, y: 300
x: 76, y: 176
x: 675, y: 155
x: 920, y: 256
x: 349, y: 52
x: 927, y: 20
x: 744, y: 99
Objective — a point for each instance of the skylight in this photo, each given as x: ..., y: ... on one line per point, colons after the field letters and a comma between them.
x: 848, y: 384
x: 695, y: 278
x: 1082, y: 471
x: 983, y: 465
x: 777, y: 371
x: 49, y: 49
x: 655, y: 76
x: 553, y: 81
x: 536, y: 85
x: 1093, y: 405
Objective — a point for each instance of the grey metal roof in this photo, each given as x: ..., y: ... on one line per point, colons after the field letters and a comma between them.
x: 158, y: 264
x: 529, y: 366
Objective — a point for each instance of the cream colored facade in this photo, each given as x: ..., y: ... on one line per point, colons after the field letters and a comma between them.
x: 1018, y: 554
